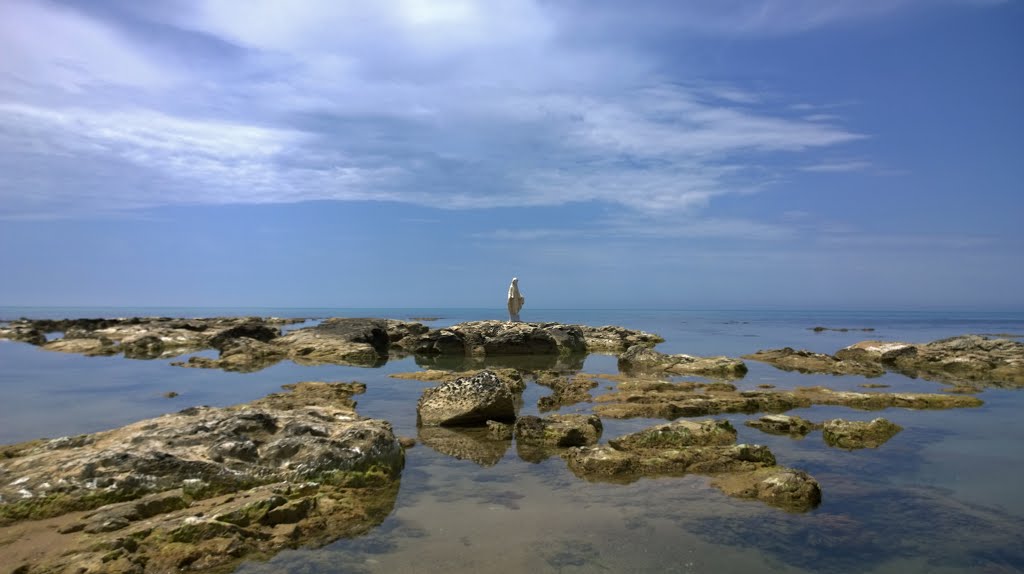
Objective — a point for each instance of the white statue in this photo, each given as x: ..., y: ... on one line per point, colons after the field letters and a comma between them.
x: 515, y: 300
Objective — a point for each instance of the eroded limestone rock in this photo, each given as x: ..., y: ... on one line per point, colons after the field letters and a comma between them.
x: 640, y: 359
x: 468, y: 401
x: 661, y: 399
x: 202, y: 488
x: 783, y: 424
x: 969, y: 359
x: 858, y: 434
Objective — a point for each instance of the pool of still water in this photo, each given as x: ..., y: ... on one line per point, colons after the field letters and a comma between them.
x: 941, y: 496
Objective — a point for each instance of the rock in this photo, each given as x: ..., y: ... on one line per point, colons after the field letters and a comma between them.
x: 792, y: 490
x: 407, y: 442
x: 477, y: 445
x: 25, y: 334
x: 150, y: 337
x: 676, y: 435
x: 660, y: 399
x: 969, y: 359
x: 205, y: 488
x: 858, y: 434
x: 144, y: 347
x: 310, y: 433
x: 170, y: 395
x: 783, y: 424
x: 501, y: 338
x: 613, y: 339
x: 606, y: 463
x: 242, y: 354
x: 467, y: 401
x: 640, y: 359
x: 84, y: 346
x: 566, y: 389
x: 362, y: 342
x: 705, y: 447
x: 789, y: 359
x: 255, y: 330
x: 558, y: 431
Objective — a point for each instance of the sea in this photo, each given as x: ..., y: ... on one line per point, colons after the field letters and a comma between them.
x: 942, y: 496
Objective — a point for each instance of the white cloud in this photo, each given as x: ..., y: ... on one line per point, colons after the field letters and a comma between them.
x: 455, y: 104
x: 837, y: 166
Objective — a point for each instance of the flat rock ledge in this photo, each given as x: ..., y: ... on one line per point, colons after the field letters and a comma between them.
x: 969, y: 359
x: 203, y: 488
x: 698, y: 447
x: 647, y: 398
x: 640, y: 359
x: 858, y: 434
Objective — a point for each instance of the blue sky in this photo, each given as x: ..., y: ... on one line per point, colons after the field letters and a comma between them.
x: 683, y: 154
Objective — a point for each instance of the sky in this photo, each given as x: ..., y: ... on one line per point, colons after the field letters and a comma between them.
x: 850, y: 154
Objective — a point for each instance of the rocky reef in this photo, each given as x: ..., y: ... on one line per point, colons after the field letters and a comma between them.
x: 698, y: 447
x: 652, y: 398
x: 249, y: 344
x: 202, y: 488
x: 969, y: 359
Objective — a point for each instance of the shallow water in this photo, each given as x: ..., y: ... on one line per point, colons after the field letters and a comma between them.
x: 941, y: 496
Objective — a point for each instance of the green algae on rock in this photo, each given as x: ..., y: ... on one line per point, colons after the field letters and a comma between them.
x: 204, y: 487
x: 697, y: 447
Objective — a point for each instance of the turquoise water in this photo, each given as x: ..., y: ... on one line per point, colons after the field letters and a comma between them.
x: 941, y: 496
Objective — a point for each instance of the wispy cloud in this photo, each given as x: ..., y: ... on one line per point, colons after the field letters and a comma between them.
x: 837, y: 166
x: 455, y: 103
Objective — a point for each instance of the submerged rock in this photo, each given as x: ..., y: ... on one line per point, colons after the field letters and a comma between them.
x: 640, y: 359
x: 468, y: 401
x: 783, y: 424
x: 858, y: 434
x: 175, y: 491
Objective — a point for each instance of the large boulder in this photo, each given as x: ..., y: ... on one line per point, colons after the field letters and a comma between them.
x: 468, y: 401
x: 640, y: 359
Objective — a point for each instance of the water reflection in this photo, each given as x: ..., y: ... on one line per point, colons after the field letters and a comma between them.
x: 474, y: 444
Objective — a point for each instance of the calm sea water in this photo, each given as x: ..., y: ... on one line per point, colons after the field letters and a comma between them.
x: 942, y: 496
